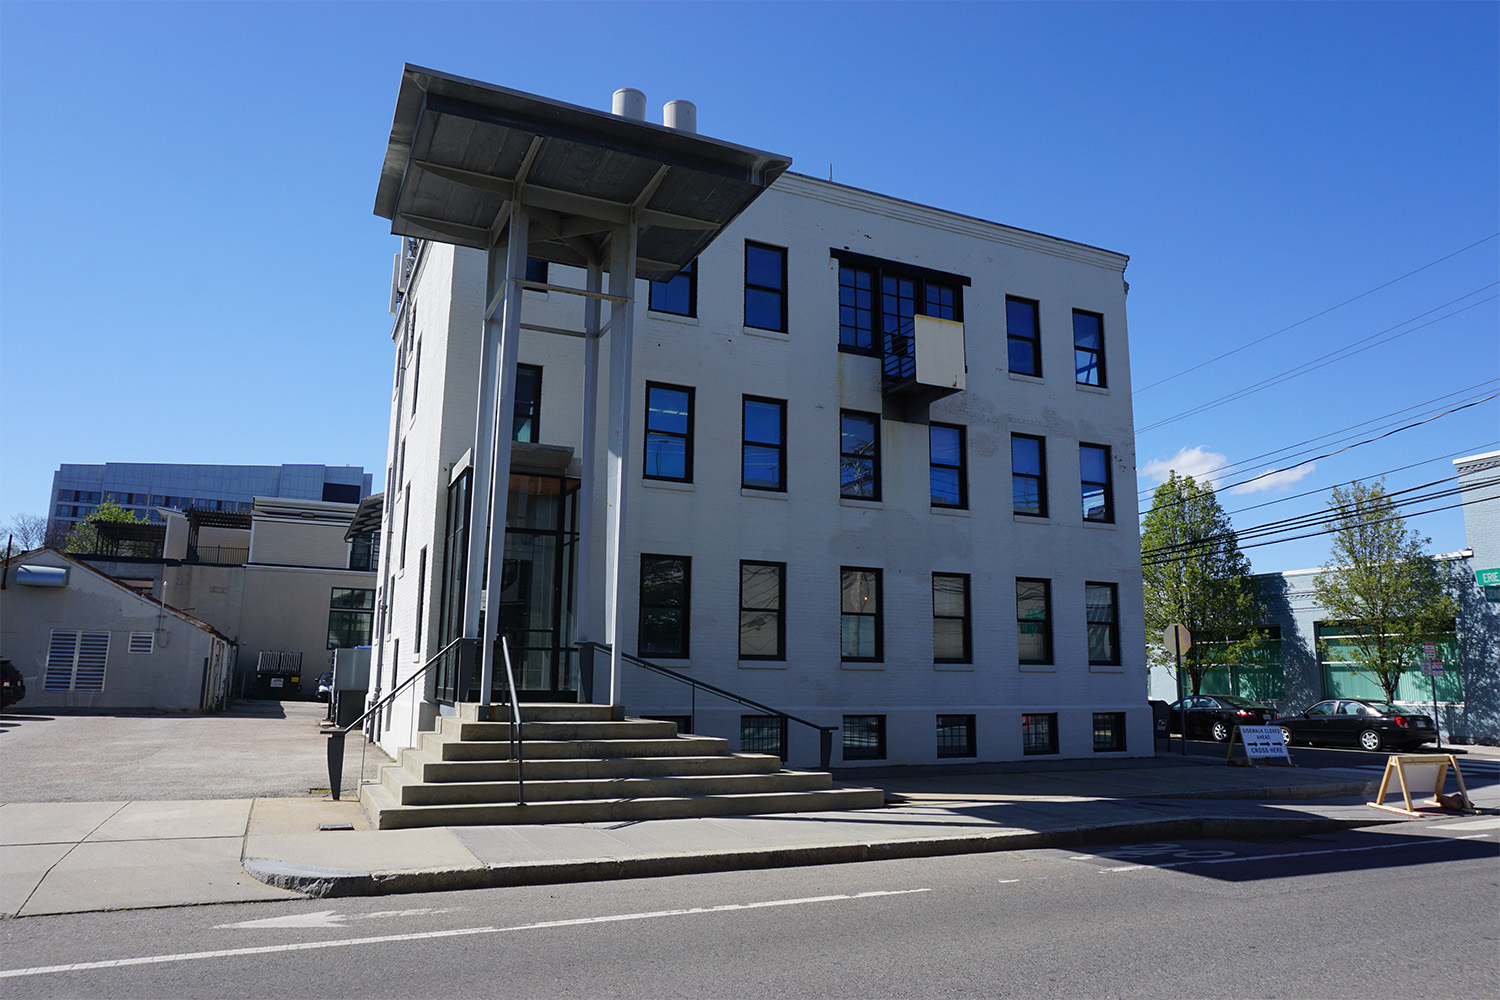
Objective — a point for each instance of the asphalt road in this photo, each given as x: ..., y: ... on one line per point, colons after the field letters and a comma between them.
x: 1408, y: 910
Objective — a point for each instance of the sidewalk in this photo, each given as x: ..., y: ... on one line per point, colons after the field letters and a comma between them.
x: 67, y: 857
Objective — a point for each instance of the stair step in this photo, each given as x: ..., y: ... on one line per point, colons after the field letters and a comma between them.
x: 409, y: 791
x: 629, y: 729
x: 430, y: 767
x: 540, y: 711
x: 386, y: 814
x: 681, y: 746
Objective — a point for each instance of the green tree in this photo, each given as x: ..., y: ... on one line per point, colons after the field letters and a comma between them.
x: 1380, y: 583
x: 84, y: 538
x: 1195, y: 575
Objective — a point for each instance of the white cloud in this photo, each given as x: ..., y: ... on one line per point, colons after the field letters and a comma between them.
x: 1275, y: 479
x: 1196, y: 462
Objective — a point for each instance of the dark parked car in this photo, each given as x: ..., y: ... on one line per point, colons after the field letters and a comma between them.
x: 325, y: 685
x: 1215, y: 715
x: 1369, y: 725
x: 12, y: 685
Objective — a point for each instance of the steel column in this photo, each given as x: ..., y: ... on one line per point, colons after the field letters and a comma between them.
x: 622, y: 252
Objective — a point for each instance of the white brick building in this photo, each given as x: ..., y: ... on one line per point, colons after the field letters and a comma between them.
x: 947, y: 567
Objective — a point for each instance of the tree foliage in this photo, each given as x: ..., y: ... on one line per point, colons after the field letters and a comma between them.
x: 1381, y: 584
x: 84, y: 538
x: 1195, y: 575
x: 24, y: 533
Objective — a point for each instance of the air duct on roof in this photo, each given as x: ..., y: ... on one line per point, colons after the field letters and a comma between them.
x: 681, y: 115
x: 630, y: 103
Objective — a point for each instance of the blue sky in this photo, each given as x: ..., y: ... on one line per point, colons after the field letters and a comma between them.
x: 190, y: 270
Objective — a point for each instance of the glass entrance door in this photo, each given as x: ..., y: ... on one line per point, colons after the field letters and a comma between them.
x: 535, y: 603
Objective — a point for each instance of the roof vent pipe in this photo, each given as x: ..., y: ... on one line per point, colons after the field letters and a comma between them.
x: 630, y: 103
x: 681, y: 115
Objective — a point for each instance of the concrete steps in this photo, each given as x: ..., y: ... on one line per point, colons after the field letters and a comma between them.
x: 582, y: 765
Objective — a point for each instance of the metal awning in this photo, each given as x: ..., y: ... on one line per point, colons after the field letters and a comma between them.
x: 461, y: 151
x: 367, y: 517
x: 201, y: 518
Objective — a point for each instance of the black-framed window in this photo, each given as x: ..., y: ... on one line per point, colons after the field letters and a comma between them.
x: 1097, y: 483
x: 762, y: 610
x: 1033, y: 620
x: 950, y: 618
x: 1038, y: 733
x: 669, y: 432
x: 421, y: 614
x: 860, y: 631
x: 763, y: 734
x: 679, y: 295
x: 1028, y: 475
x: 416, y: 374
x: 859, y: 455
x: 405, y: 518
x: 527, y: 425
x: 351, y: 616
x: 666, y: 589
x: 948, y: 476
x: 857, y: 310
x: 765, y: 287
x: 536, y: 270
x: 864, y: 737
x: 1109, y: 732
x: 1023, y: 336
x: 955, y: 736
x: 1088, y: 347
x: 1102, y: 601
x: 364, y: 552
x: 763, y: 444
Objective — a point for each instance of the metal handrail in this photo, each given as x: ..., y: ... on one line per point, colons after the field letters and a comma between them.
x: 517, y: 744
x: 825, y: 733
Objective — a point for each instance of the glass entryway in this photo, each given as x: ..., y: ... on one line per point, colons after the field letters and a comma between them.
x: 535, y: 604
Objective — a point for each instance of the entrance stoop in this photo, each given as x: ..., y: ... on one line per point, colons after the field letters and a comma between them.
x: 581, y: 765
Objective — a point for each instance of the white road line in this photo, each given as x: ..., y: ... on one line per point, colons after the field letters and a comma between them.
x: 192, y: 956
x: 1276, y: 857
x: 1490, y: 823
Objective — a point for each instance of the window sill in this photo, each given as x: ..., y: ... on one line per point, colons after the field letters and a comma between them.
x: 1020, y: 377
x: 755, y: 331
x: 862, y: 504
x: 961, y: 668
x: 1037, y: 668
x: 1031, y: 518
x: 1106, y: 525
x: 861, y: 665
x: 1097, y: 390
x: 675, y: 663
x: 762, y: 664
x: 669, y: 484
x: 666, y: 317
x: 763, y: 494
x: 1106, y: 668
x: 951, y: 511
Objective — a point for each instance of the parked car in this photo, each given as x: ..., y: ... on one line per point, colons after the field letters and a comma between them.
x: 325, y: 685
x: 1214, y: 716
x: 12, y: 685
x: 1369, y: 725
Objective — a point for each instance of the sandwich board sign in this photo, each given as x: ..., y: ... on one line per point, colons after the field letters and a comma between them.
x: 1259, y: 743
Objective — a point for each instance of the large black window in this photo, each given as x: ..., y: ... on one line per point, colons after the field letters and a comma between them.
x: 1088, y: 347
x: 864, y: 737
x: 669, y: 432
x: 859, y: 455
x: 763, y: 447
x: 947, y: 476
x: 1033, y: 620
x: 1039, y: 733
x: 1028, y: 475
x: 878, y: 298
x: 536, y: 270
x: 955, y: 736
x: 763, y: 734
x: 859, y: 619
x: 351, y: 613
x: 679, y: 296
x: 1098, y: 493
x: 1109, y: 732
x: 1023, y: 336
x: 765, y: 287
x: 857, y: 310
x: 762, y: 611
x: 528, y: 416
x: 950, y: 618
x: 1104, y: 623
x: 665, y: 605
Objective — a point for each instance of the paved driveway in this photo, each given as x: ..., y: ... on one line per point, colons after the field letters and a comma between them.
x: 256, y: 749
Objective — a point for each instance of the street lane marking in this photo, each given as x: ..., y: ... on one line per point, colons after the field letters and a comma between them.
x: 327, y: 918
x: 277, y: 949
x: 1491, y: 823
x: 1277, y: 857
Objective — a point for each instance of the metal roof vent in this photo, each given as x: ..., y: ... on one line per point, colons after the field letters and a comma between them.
x: 42, y: 576
x: 630, y: 103
x: 681, y: 115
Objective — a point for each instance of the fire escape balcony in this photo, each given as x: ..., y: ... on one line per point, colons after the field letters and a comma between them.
x: 921, y: 362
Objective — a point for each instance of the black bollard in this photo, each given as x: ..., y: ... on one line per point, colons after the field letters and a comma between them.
x: 335, y: 760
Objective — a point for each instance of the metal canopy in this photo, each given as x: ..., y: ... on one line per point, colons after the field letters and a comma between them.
x: 461, y: 151
x: 367, y: 517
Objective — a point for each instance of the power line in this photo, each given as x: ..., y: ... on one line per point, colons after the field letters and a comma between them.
x: 1316, y: 315
x: 1333, y: 357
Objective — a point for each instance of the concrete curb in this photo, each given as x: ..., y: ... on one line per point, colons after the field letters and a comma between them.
x: 330, y: 883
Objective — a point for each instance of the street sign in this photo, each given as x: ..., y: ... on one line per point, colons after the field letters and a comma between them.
x: 1177, y: 638
x: 1432, y: 668
x: 1487, y: 577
